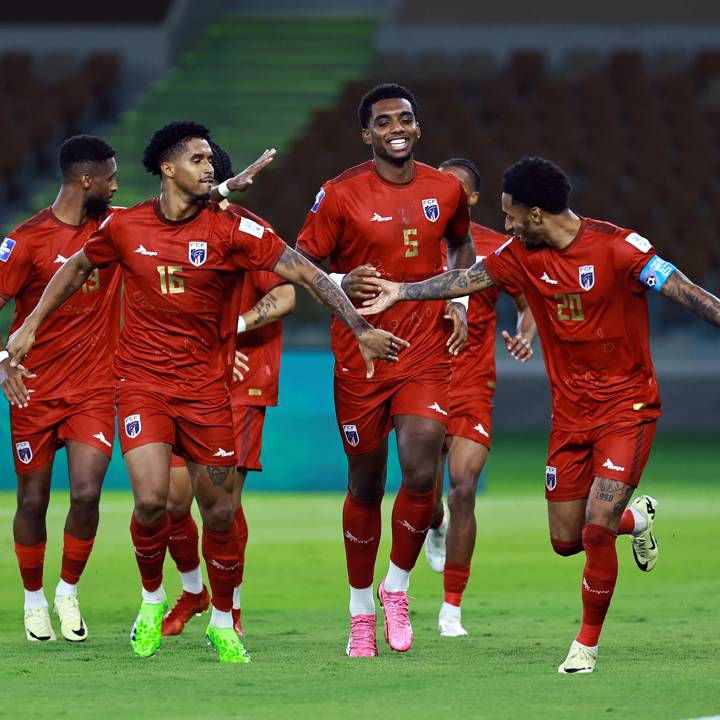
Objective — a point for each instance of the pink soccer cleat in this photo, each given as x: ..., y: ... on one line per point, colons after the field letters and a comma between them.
x: 361, y: 642
x: 398, y: 630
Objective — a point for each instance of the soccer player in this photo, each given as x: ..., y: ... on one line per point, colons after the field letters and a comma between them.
x: 391, y: 214
x: 73, y: 397
x: 451, y: 539
x: 175, y: 252
x: 256, y: 306
x: 585, y: 281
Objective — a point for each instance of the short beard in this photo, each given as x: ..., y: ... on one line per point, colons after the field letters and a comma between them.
x: 96, y: 207
x: 200, y: 197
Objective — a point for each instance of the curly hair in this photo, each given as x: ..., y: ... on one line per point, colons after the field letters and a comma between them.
x: 536, y: 182
x: 168, y: 139
x: 221, y: 163
x: 468, y: 165
x: 383, y: 92
x: 82, y: 149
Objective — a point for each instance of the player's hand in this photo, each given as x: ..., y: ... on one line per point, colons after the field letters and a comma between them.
x: 518, y: 346
x: 19, y: 344
x: 379, y: 345
x: 240, y: 366
x: 355, y: 283
x: 456, y: 312
x: 12, y: 383
x: 389, y: 295
x: 243, y: 180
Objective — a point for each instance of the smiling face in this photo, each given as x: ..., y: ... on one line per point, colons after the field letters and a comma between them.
x: 190, y: 168
x: 393, y: 131
x: 526, y: 223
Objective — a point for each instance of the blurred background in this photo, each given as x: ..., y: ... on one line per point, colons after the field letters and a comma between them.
x: 624, y: 96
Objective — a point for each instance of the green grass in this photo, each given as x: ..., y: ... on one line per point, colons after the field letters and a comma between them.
x: 659, y: 653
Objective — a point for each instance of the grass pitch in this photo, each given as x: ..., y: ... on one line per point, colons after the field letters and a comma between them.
x: 659, y: 652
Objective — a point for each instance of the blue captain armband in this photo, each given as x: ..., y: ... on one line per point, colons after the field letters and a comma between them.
x: 656, y: 272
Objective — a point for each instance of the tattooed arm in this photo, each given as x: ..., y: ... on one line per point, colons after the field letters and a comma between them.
x: 699, y: 301
x: 64, y: 283
x: 278, y: 303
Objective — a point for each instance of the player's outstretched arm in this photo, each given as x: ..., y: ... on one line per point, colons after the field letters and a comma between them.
x: 243, y: 180
x: 64, y: 283
x: 452, y: 284
x: 374, y: 344
x: 278, y: 303
x: 696, y: 299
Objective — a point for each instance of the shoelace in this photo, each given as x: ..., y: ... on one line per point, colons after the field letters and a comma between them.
x: 399, y: 605
x: 363, y: 634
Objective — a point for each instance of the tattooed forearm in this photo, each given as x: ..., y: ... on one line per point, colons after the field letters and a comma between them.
x: 696, y: 299
x: 451, y: 284
x: 217, y: 475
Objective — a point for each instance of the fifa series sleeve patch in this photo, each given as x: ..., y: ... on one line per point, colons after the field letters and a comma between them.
x: 318, y: 199
x: 503, y: 246
x: 656, y: 272
x: 638, y: 241
x: 251, y: 227
x: 6, y: 248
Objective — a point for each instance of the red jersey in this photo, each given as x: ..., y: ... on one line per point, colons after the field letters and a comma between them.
x: 592, y: 318
x: 74, y: 346
x: 358, y: 218
x: 175, y: 289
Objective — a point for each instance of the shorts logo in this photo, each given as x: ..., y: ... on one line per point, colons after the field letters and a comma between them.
x: 133, y: 426
x: 24, y: 452
x: 586, y: 275
x: 197, y: 253
x: 6, y: 248
x: 550, y: 477
x: 352, y: 437
x: 431, y: 208
x: 611, y: 466
x: 479, y: 428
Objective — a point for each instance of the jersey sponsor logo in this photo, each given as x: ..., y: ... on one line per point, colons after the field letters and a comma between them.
x: 380, y: 218
x: 101, y: 437
x: 197, y: 253
x: 638, y: 241
x: 318, y: 199
x: 133, y: 426
x: 352, y: 436
x: 550, y: 477
x: 586, y: 276
x: 479, y: 428
x: 141, y: 250
x: 436, y: 407
x: 503, y: 246
x: 6, y: 248
x: 610, y: 466
x: 546, y: 278
x: 60, y: 259
x: 24, y: 452
x: 251, y: 227
x: 431, y: 208
x: 223, y: 453
x: 656, y: 272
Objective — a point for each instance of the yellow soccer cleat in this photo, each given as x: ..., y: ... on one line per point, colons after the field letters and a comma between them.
x: 644, y: 544
x: 38, y: 627
x: 72, y: 625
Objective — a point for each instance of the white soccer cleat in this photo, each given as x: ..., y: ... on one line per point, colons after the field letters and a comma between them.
x: 580, y: 659
x: 435, y: 542
x: 644, y: 545
x: 72, y: 625
x: 450, y: 622
x: 38, y: 627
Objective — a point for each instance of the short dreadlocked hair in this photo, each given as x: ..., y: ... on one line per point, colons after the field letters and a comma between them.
x: 468, y: 165
x: 168, y: 139
x: 536, y: 182
x: 221, y: 162
x: 82, y: 150
x: 383, y: 92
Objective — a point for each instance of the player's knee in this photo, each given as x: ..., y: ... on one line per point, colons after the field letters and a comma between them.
x: 85, y: 497
x: 179, y: 505
x: 461, y: 497
x: 34, y: 503
x: 149, y: 507
x: 218, y: 517
x: 597, y: 536
x: 566, y: 548
x: 419, y: 478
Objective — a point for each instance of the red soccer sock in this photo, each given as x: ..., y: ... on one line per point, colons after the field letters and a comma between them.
x: 31, y: 559
x: 150, y: 542
x: 411, y: 516
x: 241, y: 527
x: 220, y: 550
x: 183, y: 542
x: 455, y: 579
x: 598, y: 583
x: 362, y: 525
x: 627, y: 523
x: 75, y: 556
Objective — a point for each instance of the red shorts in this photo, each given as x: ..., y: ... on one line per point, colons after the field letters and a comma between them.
x: 365, y: 408
x: 43, y: 426
x: 471, y: 413
x: 248, y: 423
x: 199, y: 430
x: 177, y: 462
x: 618, y: 450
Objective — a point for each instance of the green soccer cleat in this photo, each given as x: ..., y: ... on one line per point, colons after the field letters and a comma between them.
x: 227, y: 644
x: 146, y: 633
x: 644, y: 544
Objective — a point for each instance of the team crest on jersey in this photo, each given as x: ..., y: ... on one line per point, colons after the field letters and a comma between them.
x: 133, y: 426
x: 24, y: 452
x: 550, y: 477
x: 586, y: 275
x: 197, y: 253
x: 351, y: 435
x: 431, y: 208
x: 6, y: 248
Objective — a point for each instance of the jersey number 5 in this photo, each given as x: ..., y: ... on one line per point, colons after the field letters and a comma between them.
x: 169, y: 283
x: 569, y: 307
x: 412, y: 245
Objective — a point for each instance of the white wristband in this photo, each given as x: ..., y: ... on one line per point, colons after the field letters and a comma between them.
x: 242, y: 325
x: 464, y: 301
x: 4, y: 355
x: 223, y: 188
x: 337, y: 278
